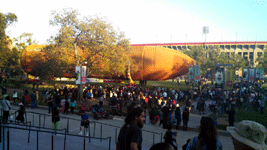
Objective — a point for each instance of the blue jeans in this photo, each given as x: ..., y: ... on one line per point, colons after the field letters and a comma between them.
x: 185, y: 124
x: 33, y: 104
x: 220, y: 110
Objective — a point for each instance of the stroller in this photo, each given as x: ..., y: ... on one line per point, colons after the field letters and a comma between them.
x: 100, y: 113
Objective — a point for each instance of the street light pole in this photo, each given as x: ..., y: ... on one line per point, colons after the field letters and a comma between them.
x: 81, y: 86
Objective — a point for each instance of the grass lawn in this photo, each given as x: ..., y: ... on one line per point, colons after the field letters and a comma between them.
x: 250, y: 114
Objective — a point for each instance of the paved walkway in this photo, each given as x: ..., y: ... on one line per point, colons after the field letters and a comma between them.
x: 106, y: 132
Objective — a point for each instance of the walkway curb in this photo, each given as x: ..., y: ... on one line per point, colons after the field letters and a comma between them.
x: 90, y: 114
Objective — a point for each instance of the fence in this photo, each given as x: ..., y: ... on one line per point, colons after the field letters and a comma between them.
x: 91, y: 122
x: 2, y: 131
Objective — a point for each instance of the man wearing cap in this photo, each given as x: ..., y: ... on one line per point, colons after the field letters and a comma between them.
x: 248, y: 135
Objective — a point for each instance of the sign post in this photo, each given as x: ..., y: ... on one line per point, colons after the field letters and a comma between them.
x: 80, y: 78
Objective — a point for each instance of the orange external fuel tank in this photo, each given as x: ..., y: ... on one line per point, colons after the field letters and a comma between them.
x: 153, y: 62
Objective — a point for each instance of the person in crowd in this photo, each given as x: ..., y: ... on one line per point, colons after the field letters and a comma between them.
x: 63, y: 101
x: 170, y: 137
x: 33, y: 99
x: 231, y: 117
x: 26, y: 99
x: 84, y: 122
x: 207, y: 137
x: 83, y: 108
x: 67, y: 104
x: 165, y: 111
x: 186, y: 144
x: 6, y: 108
x: 72, y: 104
x: 185, y: 118
x: 21, y: 113
x: 189, y: 104
x: 178, y: 116
x: 49, y: 103
x: 4, y: 90
x: 101, y: 101
x: 55, y: 119
x: 156, y: 116
x: 89, y: 94
x: 130, y: 136
x: 162, y: 146
x: 114, y: 104
x: 15, y: 96
x: 248, y: 135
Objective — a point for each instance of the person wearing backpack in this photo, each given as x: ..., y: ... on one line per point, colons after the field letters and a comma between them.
x: 170, y: 137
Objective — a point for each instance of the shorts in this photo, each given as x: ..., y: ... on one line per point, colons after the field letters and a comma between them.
x: 86, y: 125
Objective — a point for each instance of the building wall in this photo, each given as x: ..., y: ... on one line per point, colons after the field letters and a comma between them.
x: 247, y: 51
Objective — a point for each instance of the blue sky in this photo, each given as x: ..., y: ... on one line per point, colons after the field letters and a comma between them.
x: 151, y: 21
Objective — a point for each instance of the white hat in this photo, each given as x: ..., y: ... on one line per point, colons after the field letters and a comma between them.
x: 20, y: 104
x: 250, y: 133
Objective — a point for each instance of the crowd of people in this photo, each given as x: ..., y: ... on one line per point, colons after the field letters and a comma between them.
x: 161, y: 105
x: 246, y: 135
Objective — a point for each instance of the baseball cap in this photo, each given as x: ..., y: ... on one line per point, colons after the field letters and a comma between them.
x: 250, y: 133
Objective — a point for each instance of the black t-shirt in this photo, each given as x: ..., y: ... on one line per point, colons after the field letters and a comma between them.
x: 132, y: 134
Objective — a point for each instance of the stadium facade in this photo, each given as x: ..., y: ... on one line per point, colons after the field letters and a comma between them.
x: 248, y: 50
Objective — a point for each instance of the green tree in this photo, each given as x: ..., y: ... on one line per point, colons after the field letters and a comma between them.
x: 92, y: 39
x: 262, y: 60
x: 6, y: 20
x: 208, y: 58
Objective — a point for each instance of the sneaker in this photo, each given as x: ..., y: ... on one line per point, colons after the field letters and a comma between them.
x: 81, y: 133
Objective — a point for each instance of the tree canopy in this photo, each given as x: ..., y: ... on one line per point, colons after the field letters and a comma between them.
x: 6, y: 52
x: 208, y: 58
x: 92, y: 39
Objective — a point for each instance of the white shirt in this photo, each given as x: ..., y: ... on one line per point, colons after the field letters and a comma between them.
x: 15, y: 94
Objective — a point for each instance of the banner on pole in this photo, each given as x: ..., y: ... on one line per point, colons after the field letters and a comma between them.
x: 197, y: 73
x: 219, y: 77
x: 229, y: 77
x: 261, y: 73
x: 191, y: 74
x: 257, y: 75
x: 251, y: 74
x: 78, y: 74
x: 83, y: 74
x: 245, y: 74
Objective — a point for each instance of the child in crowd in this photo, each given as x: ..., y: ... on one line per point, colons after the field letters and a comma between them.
x: 72, y: 102
x: 85, y: 123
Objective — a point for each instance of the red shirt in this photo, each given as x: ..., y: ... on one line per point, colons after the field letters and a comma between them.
x: 146, y: 99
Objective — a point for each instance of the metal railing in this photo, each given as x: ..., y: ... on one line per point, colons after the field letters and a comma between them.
x: 94, y: 122
x: 37, y: 138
